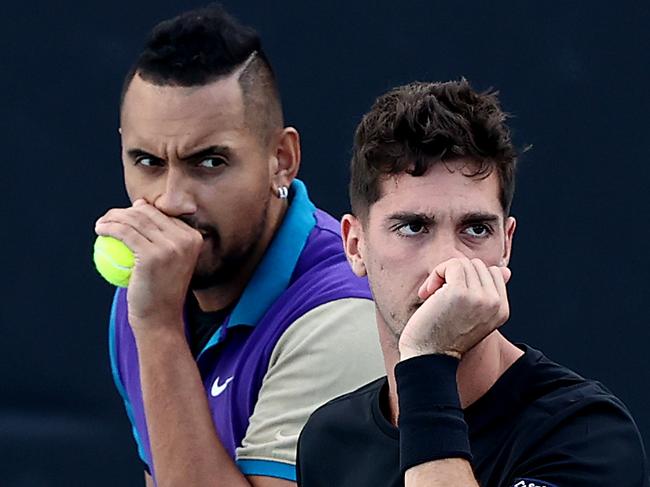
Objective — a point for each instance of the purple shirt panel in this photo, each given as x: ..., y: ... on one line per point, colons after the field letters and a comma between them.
x: 321, y: 275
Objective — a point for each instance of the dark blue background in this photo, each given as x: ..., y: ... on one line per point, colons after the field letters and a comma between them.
x: 575, y: 75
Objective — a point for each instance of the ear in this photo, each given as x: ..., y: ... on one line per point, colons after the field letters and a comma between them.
x: 353, y: 243
x: 509, y: 230
x: 285, y: 160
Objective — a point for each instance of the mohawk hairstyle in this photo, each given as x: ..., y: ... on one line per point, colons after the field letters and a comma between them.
x: 203, y: 45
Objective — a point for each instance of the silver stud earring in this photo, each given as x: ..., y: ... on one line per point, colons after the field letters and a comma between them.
x: 283, y: 192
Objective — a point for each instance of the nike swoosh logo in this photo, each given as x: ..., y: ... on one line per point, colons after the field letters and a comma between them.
x: 217, y: 389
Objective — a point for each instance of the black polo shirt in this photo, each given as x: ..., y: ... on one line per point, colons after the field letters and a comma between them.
x: 540, y: 425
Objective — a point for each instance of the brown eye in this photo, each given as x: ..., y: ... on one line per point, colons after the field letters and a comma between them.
x: 147, y: 161
x: 411, y: 229
x: 211, y: 162
x: 144, y: 161
x: 478, y: 231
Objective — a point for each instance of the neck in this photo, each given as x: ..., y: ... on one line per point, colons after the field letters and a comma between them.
x: 478, y: 370
x: 223, y: 295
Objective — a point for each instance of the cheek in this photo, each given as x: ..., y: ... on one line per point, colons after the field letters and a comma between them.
x: 388, y: 251
x: 235, y: 213
x: 396, y: 270
x: 131, y: 183
x: 405, y: 261
x: 491, y: 252
x: 383, y: 258
x: 242, y: 193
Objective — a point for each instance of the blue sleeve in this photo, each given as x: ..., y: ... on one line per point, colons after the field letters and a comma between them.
x: 268, y: 468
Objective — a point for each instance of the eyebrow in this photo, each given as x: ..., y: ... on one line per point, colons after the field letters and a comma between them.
x: 467, y: 218
x: 135, y: 153
x: 404, y: 216
x: 221, y: 150
x: 207, y: 151
x: 479, y: 217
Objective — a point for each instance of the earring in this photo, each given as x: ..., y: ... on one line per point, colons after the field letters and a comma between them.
x: 283, y: 192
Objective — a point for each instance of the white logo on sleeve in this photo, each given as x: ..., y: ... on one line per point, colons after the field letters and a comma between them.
x: 217, y: 389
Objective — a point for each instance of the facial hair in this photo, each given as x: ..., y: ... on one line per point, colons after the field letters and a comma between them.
x: 231, y: 263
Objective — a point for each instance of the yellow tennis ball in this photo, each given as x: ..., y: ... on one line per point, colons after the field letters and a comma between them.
x: 113, y: 260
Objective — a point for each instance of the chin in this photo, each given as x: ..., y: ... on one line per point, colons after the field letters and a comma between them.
x: 206, y: 275
x: 202, y: 280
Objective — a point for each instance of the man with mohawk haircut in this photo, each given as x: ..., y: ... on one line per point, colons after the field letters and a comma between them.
x: 241, y: 315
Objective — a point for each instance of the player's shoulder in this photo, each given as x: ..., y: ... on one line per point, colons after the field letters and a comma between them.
x: 342, y: 412
x: 593, y: 430
x: 536, y: 396
x: 540, y: 411
x: 340, y: 424
x: 327, y: 223
x: 554, y: 389
x: 566, y: 407
x: 322, y: 272
x: 325, y: 237
x: 360, y: 397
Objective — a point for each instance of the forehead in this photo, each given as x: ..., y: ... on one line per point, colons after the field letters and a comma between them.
x: 155, y: 111
x: 443, y: 190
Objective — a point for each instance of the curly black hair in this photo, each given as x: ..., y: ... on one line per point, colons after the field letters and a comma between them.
x: 412, y: 127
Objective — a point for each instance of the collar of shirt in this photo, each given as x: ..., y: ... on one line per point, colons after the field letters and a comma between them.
x: 272, y: 275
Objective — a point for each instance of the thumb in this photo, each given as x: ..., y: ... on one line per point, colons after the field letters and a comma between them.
x: 507, y: 273
x: 432, y: 283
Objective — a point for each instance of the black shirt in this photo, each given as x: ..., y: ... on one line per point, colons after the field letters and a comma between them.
x: 202, y: 324
x: 539, y: 425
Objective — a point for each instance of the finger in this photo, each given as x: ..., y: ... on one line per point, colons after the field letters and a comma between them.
x: 451, y: 272
x: 165, y: 223
x: 483, y: 273
x: 471, y: 275
x: 128, y: 234
x: 422, y: 290
x: 499, y: 280
x: 138, y: 218
x: 430, y: 285
x: 496, y: 274
x: 169, y: 229
x: 507, y: 273
x: 110, y: 215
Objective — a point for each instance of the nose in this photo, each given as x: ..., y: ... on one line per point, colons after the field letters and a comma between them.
x: 177, y: 197
x: 444, y: 246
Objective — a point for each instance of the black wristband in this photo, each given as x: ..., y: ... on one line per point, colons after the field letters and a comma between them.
x: 431, y: 422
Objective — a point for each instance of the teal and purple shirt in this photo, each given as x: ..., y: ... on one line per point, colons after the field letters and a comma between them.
x: 303, y: 268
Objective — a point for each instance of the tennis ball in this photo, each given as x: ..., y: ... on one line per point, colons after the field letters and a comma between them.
x: 113, y: 260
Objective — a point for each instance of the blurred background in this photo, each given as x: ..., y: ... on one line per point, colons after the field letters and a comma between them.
x: 574, y: 75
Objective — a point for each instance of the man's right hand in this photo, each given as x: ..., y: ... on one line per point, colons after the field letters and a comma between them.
x: 464, y: 301
x: 166, y: 251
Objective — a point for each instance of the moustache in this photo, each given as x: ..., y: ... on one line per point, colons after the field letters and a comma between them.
x: 207, y: 231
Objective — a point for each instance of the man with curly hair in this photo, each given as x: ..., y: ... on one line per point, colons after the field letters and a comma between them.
x: 432, y: 182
